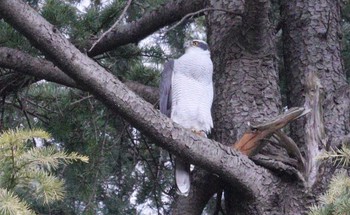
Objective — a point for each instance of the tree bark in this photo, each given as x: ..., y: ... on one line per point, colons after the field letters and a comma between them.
x: 246, y: 81
x: 312, y: 45
x: 203, y: 186
x: 39, y: 68
x: 43, y: 69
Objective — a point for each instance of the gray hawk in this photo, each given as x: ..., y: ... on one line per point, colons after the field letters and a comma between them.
x: 186, y: 96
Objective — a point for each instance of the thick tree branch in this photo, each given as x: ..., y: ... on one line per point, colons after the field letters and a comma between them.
x: 39, y: 68
x: 43, y: 69
x: 231, y: 165
x: 148, y: 93
x: 149, y: 23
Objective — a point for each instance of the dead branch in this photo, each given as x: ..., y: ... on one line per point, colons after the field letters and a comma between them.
x: 251, y: 141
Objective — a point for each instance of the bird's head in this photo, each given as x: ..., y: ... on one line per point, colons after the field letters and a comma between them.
x: 196, y: 45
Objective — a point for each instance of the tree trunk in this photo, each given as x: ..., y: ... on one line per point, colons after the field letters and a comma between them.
x: 312, y: 45
x: 246, y: 81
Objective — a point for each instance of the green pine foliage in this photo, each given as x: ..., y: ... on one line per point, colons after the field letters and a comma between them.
x: 11, y: 204
x: 26, y: 172
x: 340, y: 156
x: 336, y: 201
x: 60, y: 14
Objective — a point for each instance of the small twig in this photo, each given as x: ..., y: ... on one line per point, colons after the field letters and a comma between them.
x: 82, y: 99
x: 40, y: 106
x: 148, y: 164
x: 198, y: 12
x: 41, y: 117
x: 26, y: 116
x: 114, y: 25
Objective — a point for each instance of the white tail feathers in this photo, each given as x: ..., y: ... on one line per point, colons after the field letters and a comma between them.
x: 182, y: 177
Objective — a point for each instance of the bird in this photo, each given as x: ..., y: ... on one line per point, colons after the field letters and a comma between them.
x: 186, y: 96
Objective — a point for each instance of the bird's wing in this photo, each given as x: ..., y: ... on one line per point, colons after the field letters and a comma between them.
x: 165, y: 88
x: 182, y: 169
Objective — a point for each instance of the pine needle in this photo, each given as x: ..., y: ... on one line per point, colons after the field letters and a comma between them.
x: 48, y: 158
x: 28, y: 171
x: 10, y: 204
x: 339, y: 156
x: 17, y: 137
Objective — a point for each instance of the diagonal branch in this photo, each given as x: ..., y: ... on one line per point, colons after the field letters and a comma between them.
x: 39, y: 68
x: 190, y: 15
x: 230, y: 164
x: 149, y: 23
x: 43, y: 69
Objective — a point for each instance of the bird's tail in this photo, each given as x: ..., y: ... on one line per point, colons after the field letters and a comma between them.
x: 182, y: 177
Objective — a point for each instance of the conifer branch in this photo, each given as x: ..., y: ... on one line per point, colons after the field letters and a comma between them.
x: 11, y: 204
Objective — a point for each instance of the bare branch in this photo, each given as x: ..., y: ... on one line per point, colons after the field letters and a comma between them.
x: 40, y: 68
x: 249, y: 143
x: 149, y: 23
x: 190, y: 15
x: 148, y: 93
x: 43, y: 69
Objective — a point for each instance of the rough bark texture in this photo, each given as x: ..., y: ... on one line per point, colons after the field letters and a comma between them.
x: 39, y: 68
x: 245, y: 77
x: 231, y: 165
x: 312, y: 44
x: 203, y: 186
x: 149, y: 23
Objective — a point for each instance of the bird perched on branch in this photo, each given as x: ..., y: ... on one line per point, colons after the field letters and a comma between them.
x: 186, y: 96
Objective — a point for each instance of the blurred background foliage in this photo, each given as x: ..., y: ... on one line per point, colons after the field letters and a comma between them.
x: 127, y: 173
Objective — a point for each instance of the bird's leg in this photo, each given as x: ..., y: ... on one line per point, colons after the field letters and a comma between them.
x: 200, y: 132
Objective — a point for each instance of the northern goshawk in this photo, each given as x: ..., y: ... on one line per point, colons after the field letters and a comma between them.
x: 186, y: 96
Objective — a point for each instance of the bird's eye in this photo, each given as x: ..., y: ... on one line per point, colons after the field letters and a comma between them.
x: 195, y: 43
